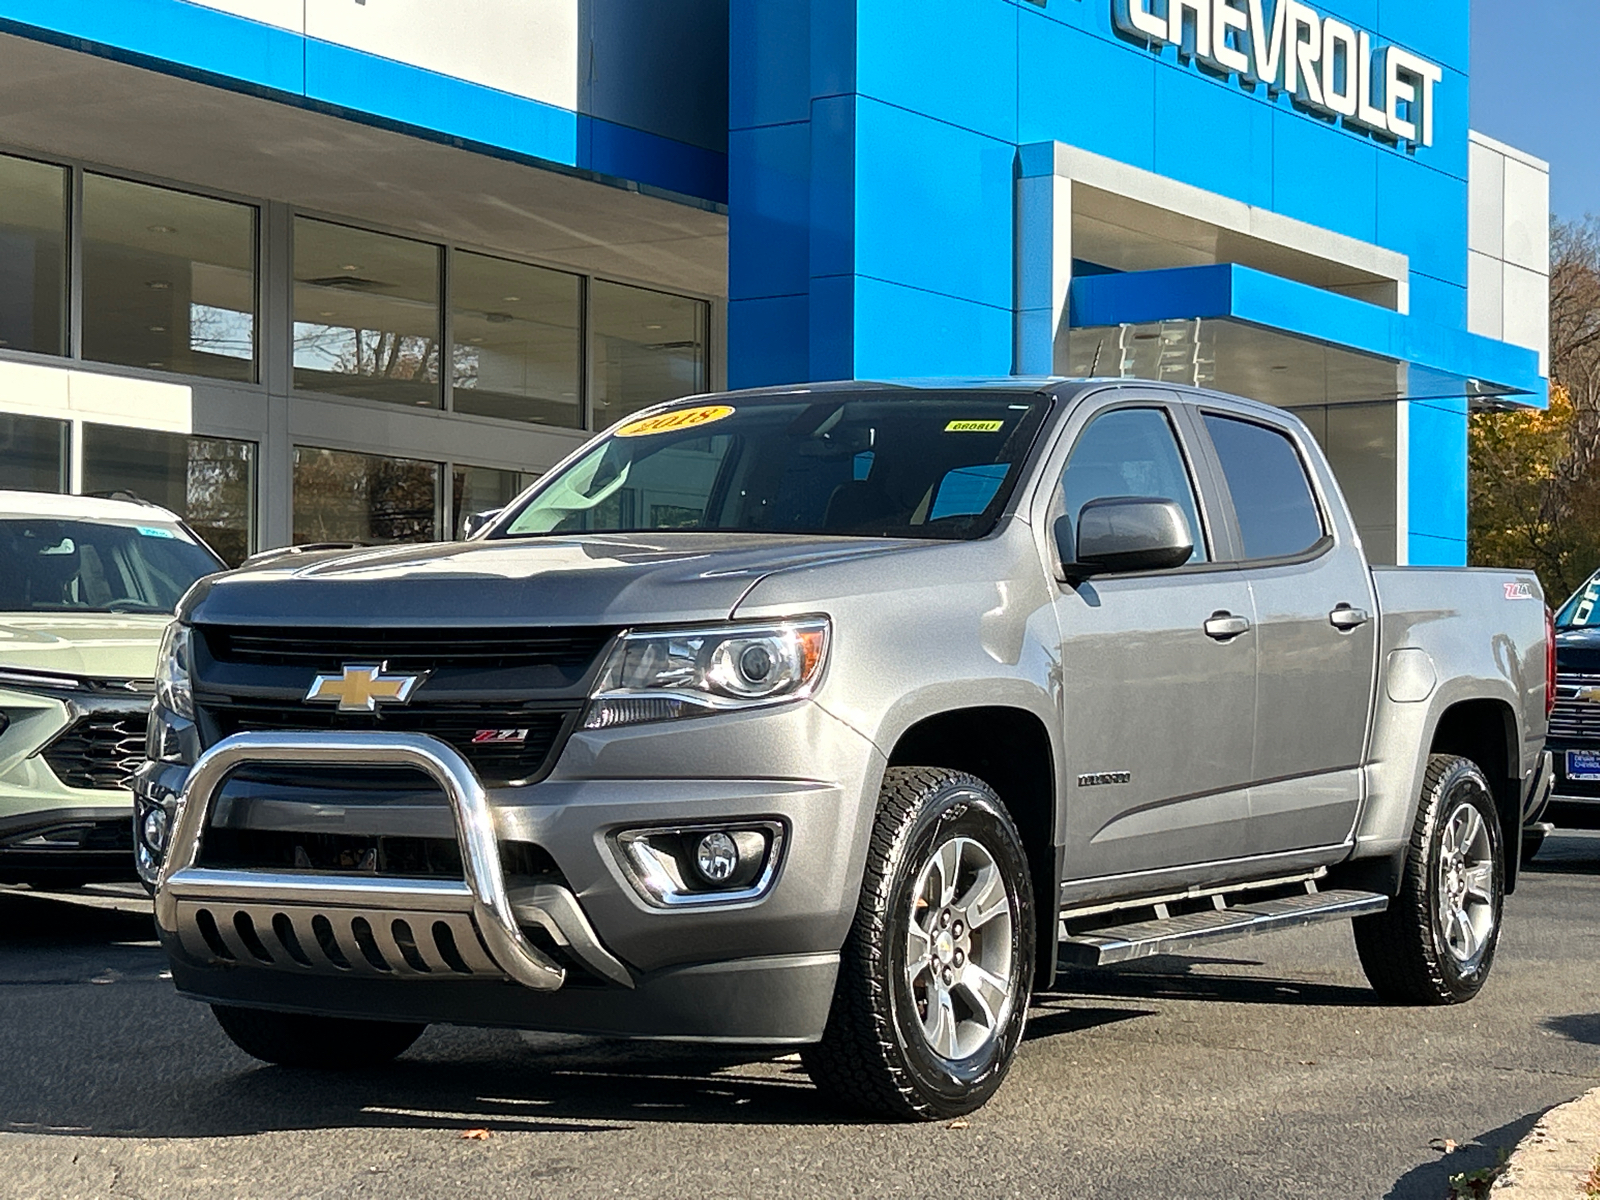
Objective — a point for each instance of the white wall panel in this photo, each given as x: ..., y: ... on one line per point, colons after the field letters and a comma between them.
x: 526, y: 47
x: 1487, y: 210
x: 1527, y: 216
x: 1527, y: 310
x: 1485, y: 295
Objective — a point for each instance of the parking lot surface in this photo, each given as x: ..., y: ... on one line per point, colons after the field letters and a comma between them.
x: 1265, y: 1069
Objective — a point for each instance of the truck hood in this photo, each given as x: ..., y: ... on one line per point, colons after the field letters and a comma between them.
x: 90, y: 645
x: 610, y: 579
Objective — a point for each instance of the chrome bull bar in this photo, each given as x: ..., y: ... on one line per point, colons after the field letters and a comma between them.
x: 482, y: 897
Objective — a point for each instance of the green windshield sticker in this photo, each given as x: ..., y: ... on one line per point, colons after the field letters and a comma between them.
x: 975, y: 427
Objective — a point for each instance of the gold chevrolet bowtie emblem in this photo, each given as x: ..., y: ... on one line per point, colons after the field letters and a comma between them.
x: 1589, y: 695
x: 361, y: 688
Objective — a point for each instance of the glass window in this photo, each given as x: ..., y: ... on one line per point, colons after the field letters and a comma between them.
x: 1271, y: 495
x: 482, y: 489
x: 51, y: 565
x: 209, y: 482
x: 33, y: 256
x: 33, y: 454
x: 648, y: 347
x: 366, y: 314
x: 340, y: 496
x: 1131, y: 452
x: 516, y: 351
x: 923, y: 465
x: 169, y: 280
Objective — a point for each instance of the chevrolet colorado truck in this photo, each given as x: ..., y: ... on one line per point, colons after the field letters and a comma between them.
x: 838, y: 717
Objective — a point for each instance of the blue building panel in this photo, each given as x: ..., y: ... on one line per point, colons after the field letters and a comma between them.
x: 934, y: 205
x: 1440, y: 30
x: 769, y: 183
x: 928, y: 333
x: 1329, y: 182
x: 769, y: 340
x: 924, y: 64
x: 1423, y: 214
x: 1238, y: 163
x: 1066, y: 94
x: 770, y: 39
x: 1438, y: 474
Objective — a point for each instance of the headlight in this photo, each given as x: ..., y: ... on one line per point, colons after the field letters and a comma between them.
x: 663, y: 675
x: 173, y: 690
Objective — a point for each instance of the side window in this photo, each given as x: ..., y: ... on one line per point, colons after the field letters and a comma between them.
x: 1131, y: 452
x: 1272, y: 496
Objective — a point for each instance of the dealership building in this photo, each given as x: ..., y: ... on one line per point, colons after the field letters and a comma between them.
x: 350, y: 270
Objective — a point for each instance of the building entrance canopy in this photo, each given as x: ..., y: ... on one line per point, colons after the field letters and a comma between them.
x: 1291, y: 344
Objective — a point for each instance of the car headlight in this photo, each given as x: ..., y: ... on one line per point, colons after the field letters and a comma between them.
x: 173, y: 689
x: 661, y: 675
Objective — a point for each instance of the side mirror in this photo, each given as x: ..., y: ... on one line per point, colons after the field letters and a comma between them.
x: 1120, y: 534
x: 477, y: 522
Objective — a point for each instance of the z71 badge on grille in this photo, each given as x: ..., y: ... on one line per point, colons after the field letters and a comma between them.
x: 500, y: 737
x: 361, y: 688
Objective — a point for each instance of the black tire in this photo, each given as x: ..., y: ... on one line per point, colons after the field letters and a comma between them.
x: 874, y: 1055
x: 320, y: 1043
x: 1407, y: 951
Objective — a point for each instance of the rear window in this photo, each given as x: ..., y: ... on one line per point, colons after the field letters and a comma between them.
x: 49, y: 565
x: 1272, y: 494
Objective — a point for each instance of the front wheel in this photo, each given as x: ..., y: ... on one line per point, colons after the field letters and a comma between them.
x: 1436, y: 942
x: 935, y: 976
x: 323, y: 1043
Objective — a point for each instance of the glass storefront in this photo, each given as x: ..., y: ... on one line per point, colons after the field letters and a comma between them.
x: 33, y: 256
x: 209, y: 482
x: 648, y: 347
x: 341, y: 496
x: 366, y: 314
x: 33, y: 454
x: 480, y: 489
x: 169, y: 280
x: 516, y: 344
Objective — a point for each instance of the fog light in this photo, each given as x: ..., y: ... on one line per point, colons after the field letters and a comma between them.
x: 716, y: 858
x: 154, y: 829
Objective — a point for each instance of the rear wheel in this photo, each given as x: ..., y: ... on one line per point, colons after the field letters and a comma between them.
x: 305, y: 1040
x: 935, y: 976
x: 1436, y: 942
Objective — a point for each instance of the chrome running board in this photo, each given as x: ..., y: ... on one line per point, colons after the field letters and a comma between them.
x: 1179, y: 934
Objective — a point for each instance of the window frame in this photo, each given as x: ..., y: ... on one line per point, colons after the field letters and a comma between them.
x: 1197, y: 461
x: 1228, y: 510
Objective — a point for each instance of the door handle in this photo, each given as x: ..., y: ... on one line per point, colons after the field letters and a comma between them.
x: 1345, y: 618
x: 1224, y: 625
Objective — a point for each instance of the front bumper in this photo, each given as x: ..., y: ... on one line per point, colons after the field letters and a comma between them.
x: 473, y: 951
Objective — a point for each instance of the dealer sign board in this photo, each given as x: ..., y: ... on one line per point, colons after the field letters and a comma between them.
x: 1326, y: 64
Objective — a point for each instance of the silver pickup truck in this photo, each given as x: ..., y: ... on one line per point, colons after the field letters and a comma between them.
x: 839, y: 717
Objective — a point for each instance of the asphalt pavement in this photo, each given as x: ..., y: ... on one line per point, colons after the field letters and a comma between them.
x: 1265, y: 1069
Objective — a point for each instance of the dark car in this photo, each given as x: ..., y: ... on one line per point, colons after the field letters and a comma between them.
x: 1575, y: 724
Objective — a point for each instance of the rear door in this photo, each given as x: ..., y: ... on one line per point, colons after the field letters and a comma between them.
x: 1315, y: 628
x: 1158, y: 668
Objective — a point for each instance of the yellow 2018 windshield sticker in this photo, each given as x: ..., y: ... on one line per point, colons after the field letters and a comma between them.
x: 673, y: 422
x: 975, y: 427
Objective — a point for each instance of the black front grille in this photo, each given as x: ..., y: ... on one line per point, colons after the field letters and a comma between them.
x: 460, y: 725
x: 406, y: 649
x: 1576, y: 716
x: 356, y: 854
x: 98, y: 750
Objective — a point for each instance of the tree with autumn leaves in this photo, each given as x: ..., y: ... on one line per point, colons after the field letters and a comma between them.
x: 1535, y: 476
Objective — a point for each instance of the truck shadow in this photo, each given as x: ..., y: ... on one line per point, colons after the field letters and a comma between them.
x: 1172, y: 978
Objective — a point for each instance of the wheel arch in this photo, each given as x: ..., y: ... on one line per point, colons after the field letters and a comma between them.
x: 1485, y: 731
x: 1011, y: 750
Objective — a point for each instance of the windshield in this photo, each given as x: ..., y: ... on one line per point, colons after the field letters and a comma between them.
x: 923, y: 465
x: 1579, y: 612
x: 49, y: 565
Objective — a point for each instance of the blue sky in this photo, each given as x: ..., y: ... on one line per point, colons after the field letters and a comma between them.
x: 1536, y: 85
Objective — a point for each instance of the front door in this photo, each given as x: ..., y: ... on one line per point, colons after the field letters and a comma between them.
x: 1159, y: 672
x: 1316, y: 633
